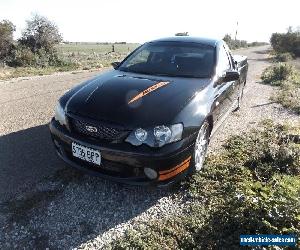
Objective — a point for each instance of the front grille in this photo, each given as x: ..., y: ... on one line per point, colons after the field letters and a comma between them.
x: 104, y: 132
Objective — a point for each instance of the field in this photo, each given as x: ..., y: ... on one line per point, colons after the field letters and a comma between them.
x: 94, y: 55
x: 78, y: 56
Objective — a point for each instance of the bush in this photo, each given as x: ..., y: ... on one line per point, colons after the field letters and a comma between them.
x: 252, y: 187
x: 278, y: 73
x: 283, y: 57
x: 21, y: 57
x: 286, y: 42
x: 48, y: 58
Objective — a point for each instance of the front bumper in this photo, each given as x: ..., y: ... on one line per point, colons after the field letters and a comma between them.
x: 123, y: 162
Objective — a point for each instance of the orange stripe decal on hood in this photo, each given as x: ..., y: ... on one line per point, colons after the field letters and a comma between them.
x: 148, y: 90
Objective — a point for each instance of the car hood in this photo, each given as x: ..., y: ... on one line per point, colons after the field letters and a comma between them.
x: 132, y: 100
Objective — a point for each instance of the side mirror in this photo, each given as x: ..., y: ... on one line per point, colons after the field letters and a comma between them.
x: 235, y: 64
x: 115, y: 64
x: 231, y: 76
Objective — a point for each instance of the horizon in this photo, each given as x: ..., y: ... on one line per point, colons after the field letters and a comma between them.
x: 132, y: 22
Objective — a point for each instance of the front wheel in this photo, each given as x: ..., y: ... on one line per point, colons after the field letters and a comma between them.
x: 200, y: 149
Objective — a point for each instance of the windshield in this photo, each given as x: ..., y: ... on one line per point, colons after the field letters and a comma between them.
x: 177, y: 59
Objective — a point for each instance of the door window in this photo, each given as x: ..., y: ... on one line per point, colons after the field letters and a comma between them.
x: 224, y: 63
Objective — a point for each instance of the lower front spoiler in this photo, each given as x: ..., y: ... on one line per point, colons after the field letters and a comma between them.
x: 141, y: 181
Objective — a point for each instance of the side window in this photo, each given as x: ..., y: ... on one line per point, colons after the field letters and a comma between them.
x: 229, y: 56
x: 141, y: 57
x: 224, y: 63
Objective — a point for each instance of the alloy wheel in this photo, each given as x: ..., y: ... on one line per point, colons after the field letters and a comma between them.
x: 201, y: 145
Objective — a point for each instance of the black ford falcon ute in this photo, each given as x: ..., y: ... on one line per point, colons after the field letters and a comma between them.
x: 149, y: 120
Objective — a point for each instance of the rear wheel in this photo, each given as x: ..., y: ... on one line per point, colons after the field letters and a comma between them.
x: 200, y: 149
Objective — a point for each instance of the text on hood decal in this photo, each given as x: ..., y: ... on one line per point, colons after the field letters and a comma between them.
x: 148, y: 90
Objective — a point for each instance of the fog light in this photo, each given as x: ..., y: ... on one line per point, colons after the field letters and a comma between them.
x: 150, y: 173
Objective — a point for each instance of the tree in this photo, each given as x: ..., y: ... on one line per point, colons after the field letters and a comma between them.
x: 6, y: 38
x: 40, y: 33
x: 182, y: 34
x: 227, y: 38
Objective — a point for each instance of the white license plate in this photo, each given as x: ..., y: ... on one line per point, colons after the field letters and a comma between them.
x: 86, y: 154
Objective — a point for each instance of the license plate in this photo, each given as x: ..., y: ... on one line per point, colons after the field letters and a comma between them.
x: 86, y: 154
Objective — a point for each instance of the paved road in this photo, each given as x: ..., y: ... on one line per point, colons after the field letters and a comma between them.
x: 26, y: 107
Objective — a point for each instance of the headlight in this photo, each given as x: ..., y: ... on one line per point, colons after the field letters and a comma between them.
x: 157, y: 136
x: 162, y: 134
x: 141, y: 134
x: 60, y: 114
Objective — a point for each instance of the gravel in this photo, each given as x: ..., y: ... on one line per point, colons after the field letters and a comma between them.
x: 68, y: 210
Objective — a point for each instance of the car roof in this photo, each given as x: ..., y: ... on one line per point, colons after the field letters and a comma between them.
x: 191, y: 39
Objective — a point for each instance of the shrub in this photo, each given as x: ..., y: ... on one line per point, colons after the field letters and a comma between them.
x: 283, y: 57
x: 278, y: 73
x: 286, y: 42
x: 22, y: 56
x: 252, y: 187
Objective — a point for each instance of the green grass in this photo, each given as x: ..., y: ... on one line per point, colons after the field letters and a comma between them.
x: 251, y: 187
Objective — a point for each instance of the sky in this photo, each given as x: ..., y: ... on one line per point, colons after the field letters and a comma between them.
x: 140, y: 21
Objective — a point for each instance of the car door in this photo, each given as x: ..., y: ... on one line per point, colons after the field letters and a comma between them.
x: 236, y: 84
x: 225, y: 92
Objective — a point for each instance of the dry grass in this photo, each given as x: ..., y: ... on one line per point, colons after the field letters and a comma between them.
x: 80, y: 56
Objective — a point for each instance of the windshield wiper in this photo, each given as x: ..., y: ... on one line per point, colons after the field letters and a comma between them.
x: 162, y: 74
x: 175, y: 75
x: 134, y: 71
x: 192, y: 76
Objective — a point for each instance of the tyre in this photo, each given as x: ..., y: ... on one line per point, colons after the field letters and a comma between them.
x: 200, y: 148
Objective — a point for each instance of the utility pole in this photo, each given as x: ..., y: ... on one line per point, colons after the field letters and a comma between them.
x: 237, y: 25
